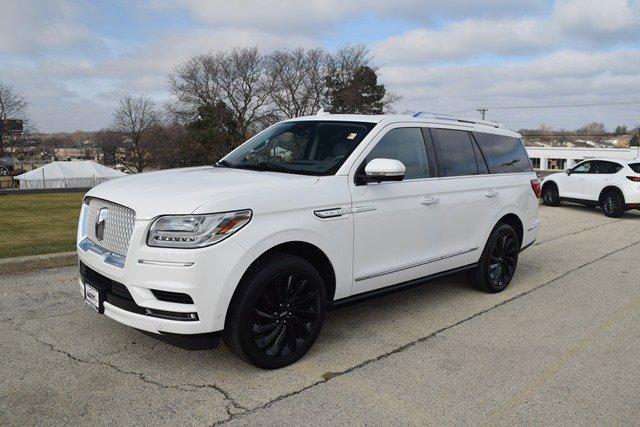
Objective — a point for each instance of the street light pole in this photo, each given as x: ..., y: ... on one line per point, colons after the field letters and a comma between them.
x: 482, y: 111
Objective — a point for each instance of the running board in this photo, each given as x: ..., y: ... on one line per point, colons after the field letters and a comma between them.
x: 399, y: 286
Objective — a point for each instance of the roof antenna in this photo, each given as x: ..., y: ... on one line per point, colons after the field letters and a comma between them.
x: 321, y: 112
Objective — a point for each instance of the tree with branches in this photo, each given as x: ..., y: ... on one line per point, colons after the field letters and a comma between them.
x: 299, y: 81
x: 137, y: 121
x: 352, y: 83
x: 12, y: 106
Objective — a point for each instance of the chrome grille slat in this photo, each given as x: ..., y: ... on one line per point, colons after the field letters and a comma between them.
x: 118, y: 226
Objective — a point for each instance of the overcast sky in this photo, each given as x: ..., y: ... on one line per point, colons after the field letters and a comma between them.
x: 73, y: 59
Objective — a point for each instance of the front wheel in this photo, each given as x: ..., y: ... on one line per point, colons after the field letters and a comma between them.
x: 278, y: 313
x: 498, y: 262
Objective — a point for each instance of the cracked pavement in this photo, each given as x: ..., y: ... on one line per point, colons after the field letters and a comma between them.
x: 559, y: 345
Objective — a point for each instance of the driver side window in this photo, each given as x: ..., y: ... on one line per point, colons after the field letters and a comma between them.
x: 583, y: 168
x: 406, y: 145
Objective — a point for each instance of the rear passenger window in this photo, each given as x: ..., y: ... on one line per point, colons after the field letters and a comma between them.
x: 504, y: 153
x: 456, y: 152
x: 406, y: 145
x: 607, y: 167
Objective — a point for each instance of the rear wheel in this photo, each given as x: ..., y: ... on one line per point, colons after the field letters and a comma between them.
x: 278, y: 313
x: 612, y: 204
x: 498, y: 262
x: 550, y: 195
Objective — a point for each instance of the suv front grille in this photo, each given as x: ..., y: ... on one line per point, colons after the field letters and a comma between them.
x: 118, y: 226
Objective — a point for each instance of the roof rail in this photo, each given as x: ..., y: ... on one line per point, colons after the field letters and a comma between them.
x: 437, y: 116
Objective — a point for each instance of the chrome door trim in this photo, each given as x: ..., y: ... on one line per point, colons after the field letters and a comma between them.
x: 413, y: 264
x: 465, y: 251
x: 396, y: 269
x: 357, y: 209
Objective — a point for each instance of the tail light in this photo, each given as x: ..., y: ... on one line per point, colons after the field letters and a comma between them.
x: 536, y: 185
x: 634, y: 178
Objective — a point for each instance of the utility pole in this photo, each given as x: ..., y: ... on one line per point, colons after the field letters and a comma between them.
x: 482, y: 111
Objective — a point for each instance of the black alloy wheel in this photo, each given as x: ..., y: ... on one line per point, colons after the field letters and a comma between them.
x: 285, y: 315
x: 277, y: 312
x: 550, y: 195
x: 503, y: 259
x: 498, y: 262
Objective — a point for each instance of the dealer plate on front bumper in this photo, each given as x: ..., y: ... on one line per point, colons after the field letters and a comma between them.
x: 92, y: 297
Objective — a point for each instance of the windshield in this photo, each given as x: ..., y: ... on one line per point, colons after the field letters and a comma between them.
x: 302, y: 147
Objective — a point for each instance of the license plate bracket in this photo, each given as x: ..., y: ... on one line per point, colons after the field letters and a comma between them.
x: 94, y: 298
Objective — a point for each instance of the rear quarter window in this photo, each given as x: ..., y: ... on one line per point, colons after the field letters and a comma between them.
x: 635, y: 167
x: 505, y: 154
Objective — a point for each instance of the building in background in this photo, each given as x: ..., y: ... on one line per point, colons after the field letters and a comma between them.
x: 561, y: 158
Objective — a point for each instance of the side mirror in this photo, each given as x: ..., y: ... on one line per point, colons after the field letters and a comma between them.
x: 378, y: 170
x: 569, y: 171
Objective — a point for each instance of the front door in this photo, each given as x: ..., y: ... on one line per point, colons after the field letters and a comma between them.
x: 397, y: 225
x: 572, y: 184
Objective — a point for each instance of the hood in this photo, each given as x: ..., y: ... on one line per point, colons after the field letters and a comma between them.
x: 182, y: 191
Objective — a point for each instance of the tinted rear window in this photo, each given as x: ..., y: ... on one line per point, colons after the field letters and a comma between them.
x: 456, y: 152
x: 504, y: 153
x: 607, y: 167
x: 635, y: 167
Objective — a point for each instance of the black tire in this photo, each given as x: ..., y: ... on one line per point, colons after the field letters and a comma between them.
x: 550, y: 195
x: 277, y: 313
x: 612, y: 204
x: 498, y: 261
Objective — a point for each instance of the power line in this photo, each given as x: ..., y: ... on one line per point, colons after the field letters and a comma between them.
x: 593, y: 104
x: 508, y: 107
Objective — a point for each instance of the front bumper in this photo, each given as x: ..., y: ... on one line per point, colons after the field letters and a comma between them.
x: 208, y: 276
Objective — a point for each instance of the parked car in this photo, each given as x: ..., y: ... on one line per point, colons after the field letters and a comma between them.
x: 612, y: 184
x: 309, y: 214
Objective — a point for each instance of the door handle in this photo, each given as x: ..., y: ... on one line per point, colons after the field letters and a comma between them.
x: 430, y: 200
x: 491, y: 193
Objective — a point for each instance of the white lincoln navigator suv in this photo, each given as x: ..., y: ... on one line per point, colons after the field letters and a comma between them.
x: 311, y: 213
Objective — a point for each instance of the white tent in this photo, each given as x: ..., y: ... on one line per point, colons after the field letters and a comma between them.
x: 81, y: 174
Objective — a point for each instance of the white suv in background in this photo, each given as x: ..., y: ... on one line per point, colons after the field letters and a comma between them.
x: 612, y: 184
x: 311, y: 213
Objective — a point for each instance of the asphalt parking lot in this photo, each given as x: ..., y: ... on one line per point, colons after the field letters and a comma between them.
x: 560, y: 345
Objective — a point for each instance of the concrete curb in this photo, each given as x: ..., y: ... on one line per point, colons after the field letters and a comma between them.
x: 26, y: 264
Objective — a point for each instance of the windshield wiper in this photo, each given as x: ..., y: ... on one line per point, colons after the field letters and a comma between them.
x: 266, y: 166
x: 225, y: 164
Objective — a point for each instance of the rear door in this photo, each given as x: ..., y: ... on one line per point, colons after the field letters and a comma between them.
x: 470, y: 201
x: 599, y: 177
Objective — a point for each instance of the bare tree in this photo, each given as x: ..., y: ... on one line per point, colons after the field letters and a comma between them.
x: 299, y: 80
x: 237, y: 78
x: 195, y: 84
x: 136, y: 119
x: 594, y: 130
x: 12, y: 106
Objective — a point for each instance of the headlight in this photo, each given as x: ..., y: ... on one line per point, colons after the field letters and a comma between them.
x: 195, y: 231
